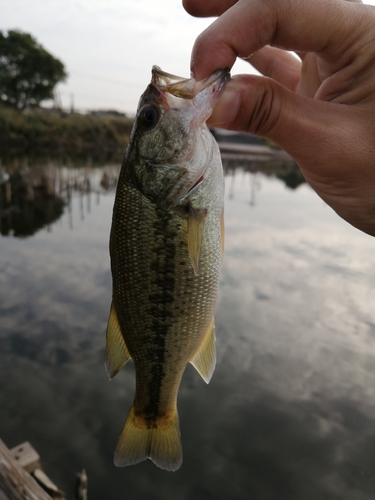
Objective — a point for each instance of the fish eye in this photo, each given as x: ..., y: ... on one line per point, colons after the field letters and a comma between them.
x: 149, y: 115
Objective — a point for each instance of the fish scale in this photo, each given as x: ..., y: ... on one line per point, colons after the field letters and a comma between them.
x: 166, y: 249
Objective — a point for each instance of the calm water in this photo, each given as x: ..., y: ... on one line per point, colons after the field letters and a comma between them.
x: 290, y: 411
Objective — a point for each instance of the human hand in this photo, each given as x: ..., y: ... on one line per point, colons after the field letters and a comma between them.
x: 320, y: 109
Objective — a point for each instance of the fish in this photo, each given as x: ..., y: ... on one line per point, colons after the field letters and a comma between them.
x: 166, y: 247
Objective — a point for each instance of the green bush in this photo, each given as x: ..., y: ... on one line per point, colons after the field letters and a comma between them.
x: 36, y: 133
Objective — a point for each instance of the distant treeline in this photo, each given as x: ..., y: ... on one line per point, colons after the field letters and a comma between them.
x: 52, y: 135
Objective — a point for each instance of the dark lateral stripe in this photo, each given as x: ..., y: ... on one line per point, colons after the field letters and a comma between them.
x: 163, y: 255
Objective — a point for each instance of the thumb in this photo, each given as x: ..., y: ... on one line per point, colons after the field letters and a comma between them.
x: 331, y: 142
x: 262, y: 106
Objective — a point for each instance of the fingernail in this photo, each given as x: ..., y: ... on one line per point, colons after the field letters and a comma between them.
x: 226, y: 108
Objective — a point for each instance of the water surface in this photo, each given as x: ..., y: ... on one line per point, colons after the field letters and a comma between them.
x: 290, y: 411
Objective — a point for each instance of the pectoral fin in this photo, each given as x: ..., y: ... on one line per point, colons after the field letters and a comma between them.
x: 204, y: 360
x: 195, y: 234
x: 116, y: 354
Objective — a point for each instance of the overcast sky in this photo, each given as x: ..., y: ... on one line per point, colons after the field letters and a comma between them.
x: 109, y: 46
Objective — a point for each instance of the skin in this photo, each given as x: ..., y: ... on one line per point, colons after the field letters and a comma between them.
x: 320, y: 108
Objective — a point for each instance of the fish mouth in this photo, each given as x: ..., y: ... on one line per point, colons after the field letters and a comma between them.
x: 215, y: 82
x: 194, y: 98
x: 188, y: 88
x: 173, y: 84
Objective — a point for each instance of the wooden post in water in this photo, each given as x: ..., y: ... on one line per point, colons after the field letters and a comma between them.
x: 22, y: 477
x: 15, y: 482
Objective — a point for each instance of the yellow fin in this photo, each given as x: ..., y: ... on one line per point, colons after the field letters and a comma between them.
x: 204, y: 360
x: 116, y: 353
x: 195, y: 234
x: 158, y: 440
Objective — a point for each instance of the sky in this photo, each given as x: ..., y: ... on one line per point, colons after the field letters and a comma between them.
x: 109, y: 46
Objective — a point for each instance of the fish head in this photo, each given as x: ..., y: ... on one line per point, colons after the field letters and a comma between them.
x: 170, y: 141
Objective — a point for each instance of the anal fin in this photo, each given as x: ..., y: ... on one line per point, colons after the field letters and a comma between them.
x: 116, y: 353
x: 204, y: 360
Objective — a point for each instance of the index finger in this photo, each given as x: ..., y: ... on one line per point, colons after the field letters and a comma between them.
x: 207, y: 8
x: 327, y: 28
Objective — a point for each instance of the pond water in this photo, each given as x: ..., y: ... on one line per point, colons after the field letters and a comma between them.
x: 290, y: 411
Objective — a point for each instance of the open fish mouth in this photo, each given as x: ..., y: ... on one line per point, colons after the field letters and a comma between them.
x: 188, y: 88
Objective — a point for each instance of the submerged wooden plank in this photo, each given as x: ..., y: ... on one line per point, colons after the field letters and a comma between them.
x: 15, y: 482
x: 48, y: 485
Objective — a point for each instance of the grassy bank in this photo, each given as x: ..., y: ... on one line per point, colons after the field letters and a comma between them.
x: 37, y: 134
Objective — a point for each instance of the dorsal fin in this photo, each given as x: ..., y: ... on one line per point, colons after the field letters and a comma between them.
x: 204, y: 360
x: 116, y: 353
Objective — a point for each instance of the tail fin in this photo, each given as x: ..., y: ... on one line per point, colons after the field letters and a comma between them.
x: 161, y: 442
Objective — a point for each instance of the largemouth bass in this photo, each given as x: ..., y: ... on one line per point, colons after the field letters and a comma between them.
x: 166, y: 246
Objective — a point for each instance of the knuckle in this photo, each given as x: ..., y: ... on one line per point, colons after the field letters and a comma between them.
x: 263, y: 116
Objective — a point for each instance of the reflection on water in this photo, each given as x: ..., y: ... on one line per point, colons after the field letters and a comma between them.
x: 290, y: 411
x: 25, y: 206
x: 286, y: 171
x: 33, y: 198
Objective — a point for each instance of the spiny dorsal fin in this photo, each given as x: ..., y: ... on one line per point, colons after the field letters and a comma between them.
x: 195, y: 234
x: 116, y: 353
x: 204, y: 360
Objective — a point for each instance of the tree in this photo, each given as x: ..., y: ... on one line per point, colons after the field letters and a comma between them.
x: 28, y: 73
